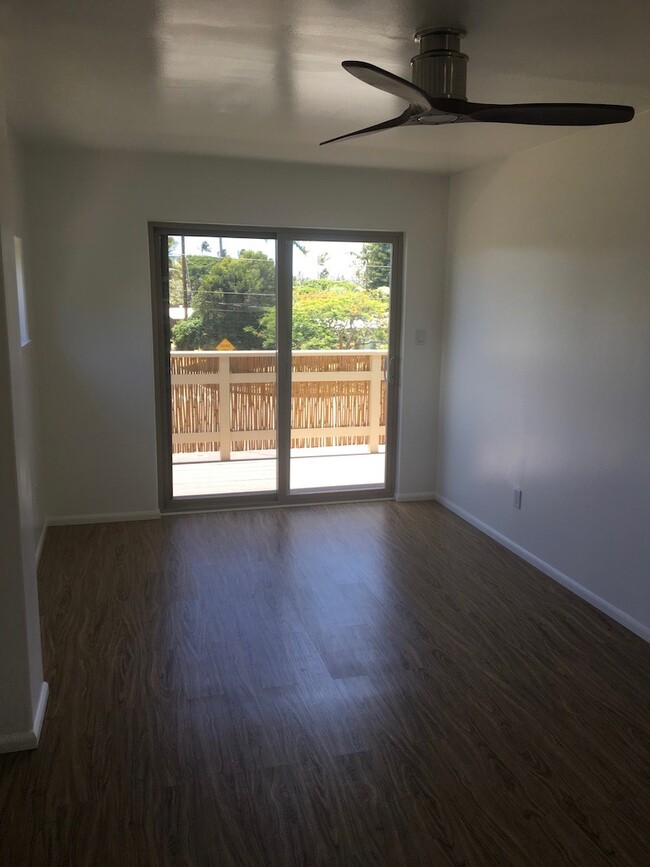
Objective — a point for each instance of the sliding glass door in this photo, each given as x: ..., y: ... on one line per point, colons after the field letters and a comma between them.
x: 339, y: 341
x: 222, y: 368
x: 276, y: 355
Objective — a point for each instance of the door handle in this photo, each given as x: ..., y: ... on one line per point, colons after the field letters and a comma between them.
x: 389, y: 373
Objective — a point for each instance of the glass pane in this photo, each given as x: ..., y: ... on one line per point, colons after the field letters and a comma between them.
x: 340, y: 328
x: 222, y: 309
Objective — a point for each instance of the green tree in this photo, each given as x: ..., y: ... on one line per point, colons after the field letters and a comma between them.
x: 175, y: 282
x: 373, y: 265
x: 332, y: 314
x: 321, y: 259
x: 189, y: 334
x: 228, y: 302
x: 196, y: 268
x: 175, y: 273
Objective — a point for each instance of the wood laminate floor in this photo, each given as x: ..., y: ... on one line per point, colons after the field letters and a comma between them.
x: 352, y: 685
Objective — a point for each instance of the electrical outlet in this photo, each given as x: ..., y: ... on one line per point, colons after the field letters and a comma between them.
x: 420, y: 336
x: 516, y: 498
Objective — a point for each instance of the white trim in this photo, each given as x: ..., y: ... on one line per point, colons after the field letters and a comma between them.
x: 41, y: 541
x: 109, y: 518
x: 18, y: 741
x: 218, y: 510
x: 39, y: 716
x: 415, y: 497
x: 589, y: 596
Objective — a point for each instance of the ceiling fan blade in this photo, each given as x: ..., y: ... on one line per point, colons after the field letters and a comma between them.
x: 544, y: 114
x: 386, y: 81
x: 387, y: 124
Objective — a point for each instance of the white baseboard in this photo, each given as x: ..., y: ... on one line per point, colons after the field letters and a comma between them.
x: 108, y: 518
x: 598, y: 602
x: 41, y: 541
x: 17, y: 741
x: 415, y: 497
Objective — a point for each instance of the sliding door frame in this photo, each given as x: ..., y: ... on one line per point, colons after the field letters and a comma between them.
x: 284, y: 238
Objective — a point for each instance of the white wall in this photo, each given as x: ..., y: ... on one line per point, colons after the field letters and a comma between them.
x: 22, y: 691
x: 89, y: 262
x: 29, y: 443
x: 546, y: 381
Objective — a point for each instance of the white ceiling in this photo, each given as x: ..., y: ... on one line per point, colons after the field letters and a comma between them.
x: 262, y: 78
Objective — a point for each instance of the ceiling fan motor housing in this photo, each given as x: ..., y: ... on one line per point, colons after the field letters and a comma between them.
x: 440, y: 69
x: 437, y: 94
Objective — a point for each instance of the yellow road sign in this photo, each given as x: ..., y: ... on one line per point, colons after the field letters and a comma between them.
x: 225, y: 345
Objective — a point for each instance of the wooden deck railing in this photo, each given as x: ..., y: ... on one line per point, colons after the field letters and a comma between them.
x: 225, y: 401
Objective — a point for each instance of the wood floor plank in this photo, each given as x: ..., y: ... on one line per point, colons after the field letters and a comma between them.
x: 369, y: 684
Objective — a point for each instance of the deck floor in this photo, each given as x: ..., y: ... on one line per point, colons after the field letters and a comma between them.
x: 203, y: 474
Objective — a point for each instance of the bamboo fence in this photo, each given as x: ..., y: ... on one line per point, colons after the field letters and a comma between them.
x: 337, y: 399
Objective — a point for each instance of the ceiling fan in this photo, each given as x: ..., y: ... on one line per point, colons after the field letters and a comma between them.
x: 437, y: 94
